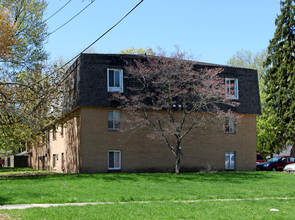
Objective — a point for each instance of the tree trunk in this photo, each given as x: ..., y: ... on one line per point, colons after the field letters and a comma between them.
x: 177, y: 162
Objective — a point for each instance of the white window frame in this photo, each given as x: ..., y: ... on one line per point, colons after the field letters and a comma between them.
x: 113, y: 120
x: 234, y: 96
x: 230, y: 125
x: 115, y: 88
x: 230, y: 164
x: 118, y: 167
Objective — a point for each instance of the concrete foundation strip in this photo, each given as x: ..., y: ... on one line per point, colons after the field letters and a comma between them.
x: 26, y: 206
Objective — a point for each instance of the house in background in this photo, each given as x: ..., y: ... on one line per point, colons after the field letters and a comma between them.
x: 88, y: 138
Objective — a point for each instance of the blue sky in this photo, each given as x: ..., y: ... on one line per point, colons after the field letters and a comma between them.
x: 211, y: 30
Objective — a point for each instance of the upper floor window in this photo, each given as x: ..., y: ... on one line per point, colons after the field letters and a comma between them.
x: 114, y: 119
x: 54, y: 133
x: 115, y: 80
x: 230, y: 125
x: 232, y: 90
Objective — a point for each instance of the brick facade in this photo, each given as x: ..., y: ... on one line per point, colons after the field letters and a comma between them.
x: 87, y: 140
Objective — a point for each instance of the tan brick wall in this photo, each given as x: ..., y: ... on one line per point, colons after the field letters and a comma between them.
x: 66, y: 144
x: 139, y: 153
x: 88, y: 128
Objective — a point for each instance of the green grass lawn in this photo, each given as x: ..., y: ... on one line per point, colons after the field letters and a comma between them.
x: 15, y: 171
x: 160, y: 188
x: 165, y: 210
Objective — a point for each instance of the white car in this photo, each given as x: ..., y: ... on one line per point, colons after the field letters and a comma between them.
x: 290, y: 168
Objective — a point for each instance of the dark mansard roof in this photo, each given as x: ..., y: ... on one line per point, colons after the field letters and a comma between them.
x: 88, y: 77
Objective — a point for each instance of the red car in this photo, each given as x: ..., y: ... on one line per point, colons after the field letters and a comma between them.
x: 276, y: 163
x: 259, y: 158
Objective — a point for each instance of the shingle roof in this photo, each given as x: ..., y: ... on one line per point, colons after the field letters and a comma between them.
x: 90, y: 81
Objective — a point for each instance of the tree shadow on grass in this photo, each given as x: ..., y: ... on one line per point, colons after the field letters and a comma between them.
x: 226, y: 176
x: 3, y: 200
x: 231, y: 176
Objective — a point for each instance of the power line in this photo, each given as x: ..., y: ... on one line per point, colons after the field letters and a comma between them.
x: 101, y: 36
x: 57, y: 11
x: 67, y: 75
x: 71, y: 18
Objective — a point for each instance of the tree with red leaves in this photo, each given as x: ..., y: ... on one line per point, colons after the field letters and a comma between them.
x: 171, y: 97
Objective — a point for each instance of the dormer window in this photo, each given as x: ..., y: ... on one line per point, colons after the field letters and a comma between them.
x: 115, y: 80
x: 232, y: 88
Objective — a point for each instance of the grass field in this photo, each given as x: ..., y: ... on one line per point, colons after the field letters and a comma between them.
x: 17, y: 171
x: 165, y: 210
x: 159, y: 188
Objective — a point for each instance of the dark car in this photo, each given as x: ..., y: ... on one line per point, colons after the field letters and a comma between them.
x: 276, y: 163
x: 259, y: 158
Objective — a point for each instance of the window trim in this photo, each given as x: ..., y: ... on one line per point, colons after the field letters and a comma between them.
x: 236, y: 88
x: 115, y: 89
x: 113, y: 121
x: 114, y: 168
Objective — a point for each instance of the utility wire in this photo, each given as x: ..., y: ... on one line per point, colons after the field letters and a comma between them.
x: 67, y: 75
x: 57, y: 11
x: 101, y: 36
x: 71, y: 18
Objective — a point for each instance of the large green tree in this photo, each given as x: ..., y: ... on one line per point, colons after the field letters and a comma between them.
x: 26, y: 93
x: 280, y: 76
x: 27, y: 16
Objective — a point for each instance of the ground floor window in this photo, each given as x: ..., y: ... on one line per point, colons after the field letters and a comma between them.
x: 114, y: 159
x: 54, y: 160
x: 230, y: 160
x: 62, y: 161
x: 41, y: 162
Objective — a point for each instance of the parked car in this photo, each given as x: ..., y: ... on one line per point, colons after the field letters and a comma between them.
x: 259, y: 158
x: 275, y: 163
x: 290, y: 168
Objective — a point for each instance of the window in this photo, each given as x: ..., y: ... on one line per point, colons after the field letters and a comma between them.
x: 62, y: 131
x: 48, y: 135
x: 114, y: 160
x: 41, y: 165
x: 47, y: 146
x: 115, y: 80
x: 114, y: 119
x: 62, y: 161
x: 232, y: 90
x: 54, y: 133
x: 230, y: 160
x: 54, y: 160
x: 230, y: 125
